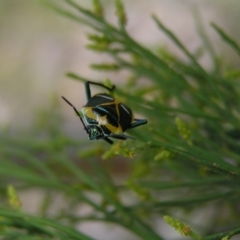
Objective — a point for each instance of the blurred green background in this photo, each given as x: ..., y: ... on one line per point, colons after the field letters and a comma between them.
x: 38, y: 46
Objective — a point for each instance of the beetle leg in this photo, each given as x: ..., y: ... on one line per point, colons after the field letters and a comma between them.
x: 137, y: 122
x: 121, y: 136
x: 117, y: 136
x: 105, y: 138
x: 88, y: 90
x: 108, y: 140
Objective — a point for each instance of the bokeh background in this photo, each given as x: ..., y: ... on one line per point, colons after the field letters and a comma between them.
x: 38, y: 46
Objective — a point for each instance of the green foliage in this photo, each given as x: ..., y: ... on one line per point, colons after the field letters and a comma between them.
x: 181, y: 228
x: 186, y: 159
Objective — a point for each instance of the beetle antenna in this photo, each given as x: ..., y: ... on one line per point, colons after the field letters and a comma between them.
x: 76, y: 111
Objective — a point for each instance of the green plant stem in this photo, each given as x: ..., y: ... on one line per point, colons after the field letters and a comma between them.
x: 32, y: 221
x: 226, y: 38
x: 218, y: 236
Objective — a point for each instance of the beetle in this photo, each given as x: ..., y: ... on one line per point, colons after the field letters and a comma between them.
x: 104, y: 117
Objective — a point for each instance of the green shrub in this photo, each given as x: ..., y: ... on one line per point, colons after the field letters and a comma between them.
x: 186, y: 159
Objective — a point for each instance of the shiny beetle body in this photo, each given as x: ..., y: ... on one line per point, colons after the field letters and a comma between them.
x: 104, y: 117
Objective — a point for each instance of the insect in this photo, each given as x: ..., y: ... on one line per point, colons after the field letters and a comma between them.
x: 104, y: 117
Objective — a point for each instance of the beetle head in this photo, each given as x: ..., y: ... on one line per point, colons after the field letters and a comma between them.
x: 94, y: 132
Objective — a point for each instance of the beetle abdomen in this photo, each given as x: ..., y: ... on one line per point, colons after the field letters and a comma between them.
x: 125, y: 116
x: 108, y: 112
